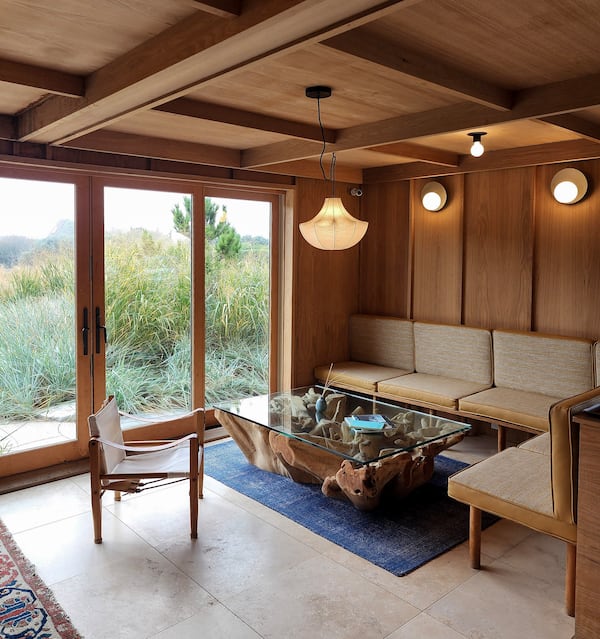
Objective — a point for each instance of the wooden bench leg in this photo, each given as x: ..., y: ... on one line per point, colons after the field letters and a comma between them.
x: 475, y: 537
x: 501, y: 437
x: 570, y: 579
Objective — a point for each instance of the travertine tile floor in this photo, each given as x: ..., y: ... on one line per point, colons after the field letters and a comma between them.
x: 253, y: 573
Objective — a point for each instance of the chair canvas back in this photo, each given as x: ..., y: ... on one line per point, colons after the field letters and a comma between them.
x: 106, y: 424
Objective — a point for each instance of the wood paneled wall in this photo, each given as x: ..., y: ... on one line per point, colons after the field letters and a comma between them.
x: 567, y: 258
x: 502, y: 253
x: 325, y: 288
x: 384, y: 251
x: 437, y: 255
x: 498, y: 249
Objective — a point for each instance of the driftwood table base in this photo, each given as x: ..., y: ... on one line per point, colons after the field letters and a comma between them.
x: 363, y: 484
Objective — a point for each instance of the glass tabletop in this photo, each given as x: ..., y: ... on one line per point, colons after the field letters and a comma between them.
x: 351, y: 426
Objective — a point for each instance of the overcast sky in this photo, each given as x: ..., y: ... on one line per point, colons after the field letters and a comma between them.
x: 32, y: 209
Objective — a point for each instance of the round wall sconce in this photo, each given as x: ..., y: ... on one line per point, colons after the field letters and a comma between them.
x: 434, y: 196
x: 568, y: 186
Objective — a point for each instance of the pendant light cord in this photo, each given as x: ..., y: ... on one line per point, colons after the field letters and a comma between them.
x: 332, y: 170
x: 322, y: 137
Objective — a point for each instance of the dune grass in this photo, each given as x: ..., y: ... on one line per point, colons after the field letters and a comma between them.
x: 148, y: 313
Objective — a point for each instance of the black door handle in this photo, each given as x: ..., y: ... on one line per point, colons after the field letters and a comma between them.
x: 99, y: 327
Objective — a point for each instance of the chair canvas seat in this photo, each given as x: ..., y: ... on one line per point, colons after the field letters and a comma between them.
x: 174, y: 462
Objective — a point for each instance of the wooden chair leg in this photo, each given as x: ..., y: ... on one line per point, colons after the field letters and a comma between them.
x: 201, y: 477
x: 570, y: 579
x: 96, y: 490
x: 475, y: 537
x: 194, y: 488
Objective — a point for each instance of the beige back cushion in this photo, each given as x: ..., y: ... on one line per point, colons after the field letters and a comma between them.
x: 461, y: 352
x: 547, y: 364
x: 106, y: 424
x: 386, y: 341
x: 597, y: 364
x: 564, y: 451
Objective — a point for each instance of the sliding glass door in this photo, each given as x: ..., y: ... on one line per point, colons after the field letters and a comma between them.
x: 162, y: 294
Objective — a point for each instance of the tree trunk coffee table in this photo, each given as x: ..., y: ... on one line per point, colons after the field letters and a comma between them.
x: 290, y: 434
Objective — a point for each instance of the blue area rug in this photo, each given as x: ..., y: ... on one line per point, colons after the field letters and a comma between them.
x: 398, y: 537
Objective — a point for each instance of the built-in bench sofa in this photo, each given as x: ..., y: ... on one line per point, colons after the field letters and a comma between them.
x: 504, y: 377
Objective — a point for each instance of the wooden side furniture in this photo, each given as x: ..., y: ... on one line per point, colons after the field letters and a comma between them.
x: 587, y: 589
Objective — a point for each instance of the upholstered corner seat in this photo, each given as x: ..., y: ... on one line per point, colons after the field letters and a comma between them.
x: 534, y: 484
x: 450, y: 362
x: 380, y: 348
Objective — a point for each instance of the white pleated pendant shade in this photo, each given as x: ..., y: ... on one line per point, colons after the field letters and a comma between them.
x: 333, y: 228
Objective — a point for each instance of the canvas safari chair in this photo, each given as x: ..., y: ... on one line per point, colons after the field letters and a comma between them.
x: 142, y: 464
x: 534, y: 484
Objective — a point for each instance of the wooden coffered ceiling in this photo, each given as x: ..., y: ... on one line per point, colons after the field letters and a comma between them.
x: 221, y: 83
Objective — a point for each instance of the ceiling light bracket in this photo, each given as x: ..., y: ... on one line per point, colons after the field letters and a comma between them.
x: 318, y: 92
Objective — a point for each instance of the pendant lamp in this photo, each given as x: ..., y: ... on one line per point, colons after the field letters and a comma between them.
x: 332, y: 228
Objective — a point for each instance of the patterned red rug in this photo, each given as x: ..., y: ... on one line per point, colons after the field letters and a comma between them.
x: 28, y: 609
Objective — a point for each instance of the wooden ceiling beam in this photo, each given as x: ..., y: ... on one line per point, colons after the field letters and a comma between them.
x: 48, y: 80
x: 247, y: 119
x: 222, y: 8
x: 552, y: 153
x: 431, y: 72
x: 566, y: 96
x: 191, y: 53
x: 544, y: 101
x: 8, y: 127
x: 418, y: 152
x: 160, y: 148
x: 585, y: 128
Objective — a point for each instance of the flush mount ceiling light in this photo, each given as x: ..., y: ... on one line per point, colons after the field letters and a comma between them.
x: 568, y: 186
x: 477, y: 147
x: 332, y: 228
x: 434, y: 196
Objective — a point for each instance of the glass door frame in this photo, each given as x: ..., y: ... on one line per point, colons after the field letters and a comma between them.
x: 47, y: 456
x: 275, y: 200
x: 196, y: 191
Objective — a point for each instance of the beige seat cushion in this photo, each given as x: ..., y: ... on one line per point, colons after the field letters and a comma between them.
x: 430, y: 389
x: 547, y: 364
x: 514, y: 484
x: 538, y: 444
x: 384, y: 341
x: 507, y: 405
x: 356, y: 375
x: 460, y: 352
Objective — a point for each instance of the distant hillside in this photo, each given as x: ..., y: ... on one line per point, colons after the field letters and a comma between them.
x: 13, y: 247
